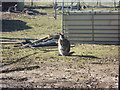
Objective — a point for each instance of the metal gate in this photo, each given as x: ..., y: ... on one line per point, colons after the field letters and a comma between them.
x: 100, y: 27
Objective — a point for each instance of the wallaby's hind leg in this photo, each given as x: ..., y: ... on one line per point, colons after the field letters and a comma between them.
x: 59, y: 55
x: 69, y: 54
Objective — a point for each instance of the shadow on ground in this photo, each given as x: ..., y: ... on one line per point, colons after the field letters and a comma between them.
x: 13, y: 25
x: 12, y: 62
x: 20, y: 69
x: 86, y: 56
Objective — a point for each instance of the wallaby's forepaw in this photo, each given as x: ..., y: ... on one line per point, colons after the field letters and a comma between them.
x: 71, y: 53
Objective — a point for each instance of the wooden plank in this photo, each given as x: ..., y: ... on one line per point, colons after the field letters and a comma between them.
x: 9, y: 42
x: 49, y: 37
x: 36, y: 41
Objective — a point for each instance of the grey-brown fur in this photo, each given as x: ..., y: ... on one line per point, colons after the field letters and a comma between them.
x: 63, y: 46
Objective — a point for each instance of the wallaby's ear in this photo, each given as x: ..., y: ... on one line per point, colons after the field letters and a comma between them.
x: 15, y: 4
x: 60, y: 33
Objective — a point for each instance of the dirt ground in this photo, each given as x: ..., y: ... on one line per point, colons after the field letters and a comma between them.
x: 58, y: 75
x: 76, y: 71
x: 91, y: 66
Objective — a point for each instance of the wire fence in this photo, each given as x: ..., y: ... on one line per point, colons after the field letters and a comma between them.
x: 98, y: 3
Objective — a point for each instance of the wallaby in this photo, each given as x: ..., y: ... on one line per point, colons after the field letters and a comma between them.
x: 12, y: 8
x: 63, y: 46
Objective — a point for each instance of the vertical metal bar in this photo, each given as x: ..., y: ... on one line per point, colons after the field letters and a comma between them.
x: 114, y: 4
x: 93, y: 25
x: 55, y: 7
x: 63, y: 16
x: 31, y: 3
x: 0, y: 31
x: 119, y: 4
x: 0, y: 18
x: 119, y: 28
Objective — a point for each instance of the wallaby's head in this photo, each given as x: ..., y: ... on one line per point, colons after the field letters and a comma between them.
x: 61, y: 36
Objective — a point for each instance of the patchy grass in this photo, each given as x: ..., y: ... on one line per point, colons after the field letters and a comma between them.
x: 40, y: 26
x: 83, y: 53
x: 38, y: 65
x: 91, y: 66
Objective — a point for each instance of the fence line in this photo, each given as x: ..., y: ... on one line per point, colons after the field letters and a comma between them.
x: 92, y: 27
